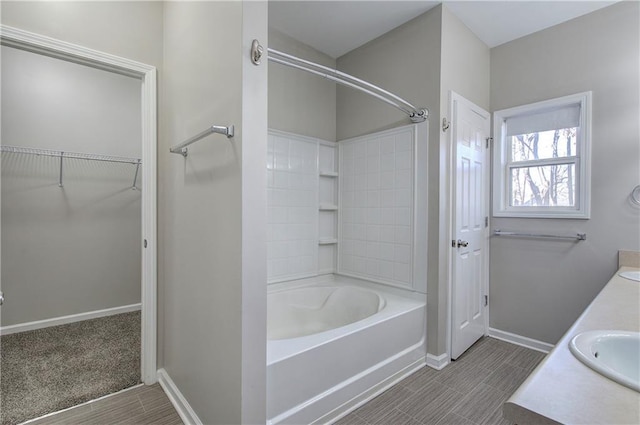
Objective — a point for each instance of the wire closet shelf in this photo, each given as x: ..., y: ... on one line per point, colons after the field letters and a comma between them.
x: 74, y: 155
x: 415, y: 114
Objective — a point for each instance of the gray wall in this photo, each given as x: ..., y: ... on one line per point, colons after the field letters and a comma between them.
x: 539, y: 288
x: 140, y: 25
x: 300, y: 102
x: 74, y: 249
x: 137, y: 36
x: 420, y: 61
x: 464, y: 69
x: 132, y: 30
x: 405, y: 61
x: 207, y: 312
x: 202, y: 205
x: 209, y: 308
x: 214, y: 309
x: 465, y: 64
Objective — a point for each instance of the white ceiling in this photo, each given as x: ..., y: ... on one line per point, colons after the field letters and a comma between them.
x: 337, y: 27
x: 498, y: 22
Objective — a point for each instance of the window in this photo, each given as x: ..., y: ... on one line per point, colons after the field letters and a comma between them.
x: 542, y: 159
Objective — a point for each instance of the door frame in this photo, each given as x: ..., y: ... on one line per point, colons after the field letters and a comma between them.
x: 455, y: 97
x: 147, y: 74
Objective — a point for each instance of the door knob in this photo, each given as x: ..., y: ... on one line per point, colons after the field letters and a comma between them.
x: 1, y: 298
x: 462, y: 243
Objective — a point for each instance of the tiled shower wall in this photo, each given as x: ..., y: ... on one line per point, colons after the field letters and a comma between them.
x: 359, y: 223
x: 376, y: 201
x: 292, y: 207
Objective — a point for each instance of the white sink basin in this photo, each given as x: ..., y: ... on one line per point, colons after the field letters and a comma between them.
x: 614, y: 354
x: 633, y: 275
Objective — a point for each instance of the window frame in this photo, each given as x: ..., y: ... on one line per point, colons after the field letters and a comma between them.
x: 502, y: 164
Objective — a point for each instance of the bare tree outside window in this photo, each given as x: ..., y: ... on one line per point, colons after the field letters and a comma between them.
x: 542, y: 159
x: 543, y: 184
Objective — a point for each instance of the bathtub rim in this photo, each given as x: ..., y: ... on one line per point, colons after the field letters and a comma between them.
x: 333, y: 277
x: 282, y: 349
x: 379, y: 304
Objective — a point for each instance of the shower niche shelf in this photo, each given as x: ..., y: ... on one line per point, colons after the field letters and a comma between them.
x: 328, y: 207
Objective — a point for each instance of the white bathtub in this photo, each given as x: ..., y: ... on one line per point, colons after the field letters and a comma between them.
x: 334, y: 343
x: 313, y: 309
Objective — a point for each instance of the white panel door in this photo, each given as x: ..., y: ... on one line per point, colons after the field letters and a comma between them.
x: 470, y: 127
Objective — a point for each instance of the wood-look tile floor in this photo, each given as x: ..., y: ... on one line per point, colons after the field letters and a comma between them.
x: 137, y: 406
x: 470, y: 391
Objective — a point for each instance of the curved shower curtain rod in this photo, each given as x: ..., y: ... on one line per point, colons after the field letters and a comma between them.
x: 415, y: 114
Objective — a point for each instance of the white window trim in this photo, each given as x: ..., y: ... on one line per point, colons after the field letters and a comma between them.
x: 582, y: 159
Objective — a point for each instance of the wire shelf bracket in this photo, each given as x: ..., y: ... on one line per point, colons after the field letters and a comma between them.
x: 135, y: 177
x: 181, y: 148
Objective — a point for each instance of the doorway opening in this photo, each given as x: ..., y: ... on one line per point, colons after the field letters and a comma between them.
x: 79, y: 220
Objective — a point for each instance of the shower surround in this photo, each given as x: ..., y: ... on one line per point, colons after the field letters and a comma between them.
x: 347, y: 214
x: 365, y: 219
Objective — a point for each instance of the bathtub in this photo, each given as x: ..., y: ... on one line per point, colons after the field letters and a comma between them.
x: 335, y: 342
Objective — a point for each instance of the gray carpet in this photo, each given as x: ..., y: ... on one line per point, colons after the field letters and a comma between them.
x: 50, y: 369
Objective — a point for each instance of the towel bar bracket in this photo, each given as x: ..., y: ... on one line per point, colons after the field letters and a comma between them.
x: 181, y: 148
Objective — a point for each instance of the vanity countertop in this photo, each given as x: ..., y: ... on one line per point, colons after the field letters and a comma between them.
x: 564, y: 390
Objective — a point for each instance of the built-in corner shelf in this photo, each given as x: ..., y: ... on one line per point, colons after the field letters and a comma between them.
x: 328, y: 241
x: 328, y: 200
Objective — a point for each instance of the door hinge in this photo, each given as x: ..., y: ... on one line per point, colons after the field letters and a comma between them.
x: 489, y: 140
x: 145, y: 243
x: 486, y: 300
x: 486, y: 221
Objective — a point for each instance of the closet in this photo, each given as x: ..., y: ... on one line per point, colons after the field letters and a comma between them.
x: 71, y: 225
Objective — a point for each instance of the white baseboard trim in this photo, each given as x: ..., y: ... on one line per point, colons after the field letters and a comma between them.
x: 63, y: 320
x: 182, y: 406
x: 438, y: 362
x: 523, y: 341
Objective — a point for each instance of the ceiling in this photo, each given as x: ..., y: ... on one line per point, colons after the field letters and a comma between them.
x: 337, y: 27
